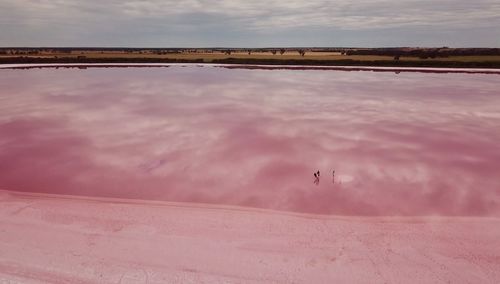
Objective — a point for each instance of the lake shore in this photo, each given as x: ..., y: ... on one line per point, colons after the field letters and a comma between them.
x: 100, y: 240
x: 257, y: 67
x: 308, y: 60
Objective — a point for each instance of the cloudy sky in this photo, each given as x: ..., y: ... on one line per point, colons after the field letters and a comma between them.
x: 246, y: 23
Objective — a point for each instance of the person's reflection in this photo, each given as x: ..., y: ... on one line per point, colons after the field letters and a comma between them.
x: 316, y: 178
x: 333, y: 176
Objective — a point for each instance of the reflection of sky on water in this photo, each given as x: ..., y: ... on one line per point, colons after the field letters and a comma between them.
x: 410, y: 144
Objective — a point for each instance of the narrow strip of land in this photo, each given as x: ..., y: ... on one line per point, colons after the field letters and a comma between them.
x: 437, y: 58
x: 257, y: 67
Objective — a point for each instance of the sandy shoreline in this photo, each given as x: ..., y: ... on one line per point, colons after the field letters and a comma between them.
x: 265, y: 67
x: 61, y: 239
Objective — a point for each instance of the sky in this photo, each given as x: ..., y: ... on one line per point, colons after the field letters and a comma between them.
x: 245, y: 23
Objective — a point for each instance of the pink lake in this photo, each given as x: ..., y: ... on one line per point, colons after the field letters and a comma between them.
x: 400, y: 144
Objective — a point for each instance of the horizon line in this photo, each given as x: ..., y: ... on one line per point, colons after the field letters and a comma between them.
x: 244, y: 47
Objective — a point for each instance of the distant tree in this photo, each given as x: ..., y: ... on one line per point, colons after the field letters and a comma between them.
x: 273, y: 52
x: 228, y: 52
x: 396, y: 57
x: 249, y: 52
x: 282, y: 51
x: 301, y: 52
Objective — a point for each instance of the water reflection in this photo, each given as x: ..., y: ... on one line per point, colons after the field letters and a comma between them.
x: 409, y: 144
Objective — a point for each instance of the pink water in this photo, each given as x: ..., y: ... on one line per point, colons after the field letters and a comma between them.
x: 400, y: 144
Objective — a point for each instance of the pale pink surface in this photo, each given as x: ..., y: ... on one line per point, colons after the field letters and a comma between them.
x: 402, y: 144
x: 55, y: 239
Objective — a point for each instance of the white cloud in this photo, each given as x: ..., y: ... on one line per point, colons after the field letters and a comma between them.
x: 240, y: 16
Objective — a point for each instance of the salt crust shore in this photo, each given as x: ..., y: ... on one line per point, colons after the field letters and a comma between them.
x: 252, y: 66
x: 64, y: 239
